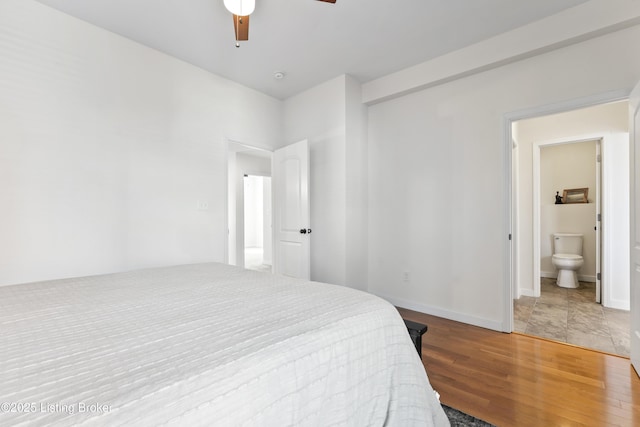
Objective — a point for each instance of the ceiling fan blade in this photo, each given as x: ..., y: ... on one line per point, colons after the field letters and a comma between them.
x: 241, y: 27
x: 328, y: 1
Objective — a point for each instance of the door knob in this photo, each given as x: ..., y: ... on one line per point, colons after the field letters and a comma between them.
x: 309, y: 230
x: 303, y: 231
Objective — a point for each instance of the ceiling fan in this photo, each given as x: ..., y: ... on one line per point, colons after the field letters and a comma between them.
x: 241, y: 9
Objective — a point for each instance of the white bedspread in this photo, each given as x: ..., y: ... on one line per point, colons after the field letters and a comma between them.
x: 206, y: 344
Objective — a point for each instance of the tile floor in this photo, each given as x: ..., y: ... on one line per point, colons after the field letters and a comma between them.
x: 573, y: 316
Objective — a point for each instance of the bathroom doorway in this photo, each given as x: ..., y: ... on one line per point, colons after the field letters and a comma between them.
x: 559, y: 146
x: 566, y: 165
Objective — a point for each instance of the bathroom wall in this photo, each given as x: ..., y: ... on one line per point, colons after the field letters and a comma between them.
x: 562, y: 167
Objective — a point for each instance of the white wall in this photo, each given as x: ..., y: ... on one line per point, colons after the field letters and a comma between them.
x: 332, y: 118
x: 562, y: 167
x: 107, y: 147
x: 356, y: 192
x: 318, y: 116
x: 603, y: 120
x: 438, y: 168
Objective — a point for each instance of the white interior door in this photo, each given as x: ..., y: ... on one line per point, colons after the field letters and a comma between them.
x: 634, y: 146
x: 292, y: 229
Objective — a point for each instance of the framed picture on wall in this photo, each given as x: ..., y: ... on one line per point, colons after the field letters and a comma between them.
x: 576, y: 195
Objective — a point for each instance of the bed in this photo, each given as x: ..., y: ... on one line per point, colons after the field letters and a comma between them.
x: 206, y: 344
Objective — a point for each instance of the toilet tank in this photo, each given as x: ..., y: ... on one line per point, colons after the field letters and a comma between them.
x: 567, y: 243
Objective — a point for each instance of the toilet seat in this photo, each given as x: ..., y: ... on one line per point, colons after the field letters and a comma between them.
x: 567, y: 264
x: 567, y: 256
x: 569, y: 261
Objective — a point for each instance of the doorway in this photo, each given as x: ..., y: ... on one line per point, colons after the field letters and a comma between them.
x: 257, y: 223
x: 558, y: 166
x: 284, y: 174
x: 540, y: 307
x: 250, y: 234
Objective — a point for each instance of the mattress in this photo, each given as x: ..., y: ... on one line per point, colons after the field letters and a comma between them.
x: 206, y: 344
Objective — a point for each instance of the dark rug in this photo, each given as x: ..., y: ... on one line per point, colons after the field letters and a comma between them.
x: 460, y: 419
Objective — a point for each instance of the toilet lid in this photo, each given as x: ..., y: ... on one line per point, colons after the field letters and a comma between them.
x: 567, y: 256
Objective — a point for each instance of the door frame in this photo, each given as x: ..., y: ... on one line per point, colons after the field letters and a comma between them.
x: 537, y: 146
x: 510, y: 283
x: 634, y: 223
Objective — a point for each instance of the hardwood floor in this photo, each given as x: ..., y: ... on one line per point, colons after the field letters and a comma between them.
x: 518, y: 380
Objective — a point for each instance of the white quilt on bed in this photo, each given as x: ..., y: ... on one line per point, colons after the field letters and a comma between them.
x: 206, y: 344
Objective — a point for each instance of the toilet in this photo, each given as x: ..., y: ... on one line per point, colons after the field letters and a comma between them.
x: 567, y: 258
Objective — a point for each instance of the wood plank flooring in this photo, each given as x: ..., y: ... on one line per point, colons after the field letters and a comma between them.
x: 518, y: 380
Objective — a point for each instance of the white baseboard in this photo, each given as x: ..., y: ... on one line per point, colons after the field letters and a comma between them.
x: 581, y: 277
x: 527, y: 293
x: 440, y: 312
x: 618, y: 304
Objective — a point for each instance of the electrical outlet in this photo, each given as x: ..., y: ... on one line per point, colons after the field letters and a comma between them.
x: 405, y: 276
x: 202, y: 205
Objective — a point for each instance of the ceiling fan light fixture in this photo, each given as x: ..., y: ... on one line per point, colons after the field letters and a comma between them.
x: 240, y: 7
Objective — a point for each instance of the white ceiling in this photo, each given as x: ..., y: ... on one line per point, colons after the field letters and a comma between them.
x: 310, y: 41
